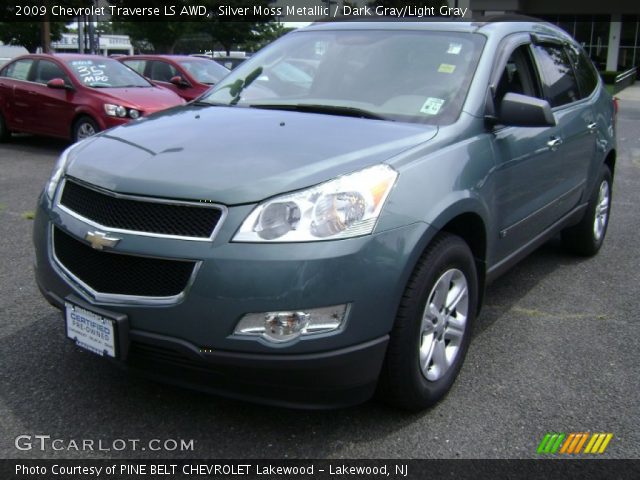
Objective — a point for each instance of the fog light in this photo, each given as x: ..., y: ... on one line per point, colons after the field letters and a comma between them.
x: 281, y: 327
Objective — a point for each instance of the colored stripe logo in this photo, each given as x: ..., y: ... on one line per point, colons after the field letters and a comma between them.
x: 573, y: 443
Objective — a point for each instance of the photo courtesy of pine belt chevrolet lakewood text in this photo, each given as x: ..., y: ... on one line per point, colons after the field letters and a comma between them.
x: 320, y: 226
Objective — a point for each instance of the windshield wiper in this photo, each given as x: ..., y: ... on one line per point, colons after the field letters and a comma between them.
x: 201, y: 102
x: 236, y: 88
x: 319, y: 108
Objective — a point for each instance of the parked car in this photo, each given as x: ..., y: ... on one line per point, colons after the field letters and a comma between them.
x: 8, y: 52
x: 311, y: 242
x: 229, y: 62
x: 187, y: 76
x: 74, y: 96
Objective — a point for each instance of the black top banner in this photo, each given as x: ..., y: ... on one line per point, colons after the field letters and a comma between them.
x: 227, y: 10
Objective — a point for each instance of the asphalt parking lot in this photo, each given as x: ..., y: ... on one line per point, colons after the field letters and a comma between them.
x: 555, y: 349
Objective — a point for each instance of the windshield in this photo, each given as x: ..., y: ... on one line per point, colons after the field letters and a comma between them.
x: 204, y: 71
x: 416, y: 76
x: 105, y: 73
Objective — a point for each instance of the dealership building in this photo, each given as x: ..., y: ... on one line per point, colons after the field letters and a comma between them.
x: 609, y: 30
x: 107, y: 44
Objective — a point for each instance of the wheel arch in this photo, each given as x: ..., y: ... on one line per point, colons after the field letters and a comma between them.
x: 467, y: 219
x: 610, y: 161
x: 471, y: 227
x: 84, y: 113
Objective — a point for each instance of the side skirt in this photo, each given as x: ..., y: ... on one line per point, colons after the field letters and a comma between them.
x: 505, y: 264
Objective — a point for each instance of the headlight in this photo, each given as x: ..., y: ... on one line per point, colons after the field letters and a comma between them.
x: 115, y: 110
x: 133, y: 113
x: 347, y: 206
x: 57, y: 173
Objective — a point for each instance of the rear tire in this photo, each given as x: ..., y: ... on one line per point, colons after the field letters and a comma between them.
x: 587, y: 237
x: 5, y: 133
x: 84, y: 127
x: 432, y: 330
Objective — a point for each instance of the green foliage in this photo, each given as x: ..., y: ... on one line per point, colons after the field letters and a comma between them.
x: 264, y: 34
x: 28, y: 34
x: 232, y: 34
x: 162, y: 36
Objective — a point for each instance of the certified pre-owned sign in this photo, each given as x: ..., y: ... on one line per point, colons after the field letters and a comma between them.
x: 47, y: 443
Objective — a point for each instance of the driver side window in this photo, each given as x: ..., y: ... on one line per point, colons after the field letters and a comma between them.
x: 518, y: 76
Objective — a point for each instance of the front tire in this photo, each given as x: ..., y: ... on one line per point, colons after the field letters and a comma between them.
x: 587, y: 237
x: 432, y: 330
x: 84, y: 127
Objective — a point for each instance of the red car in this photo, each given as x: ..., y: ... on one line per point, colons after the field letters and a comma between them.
x: 74, y: 96
x: 188, y: 76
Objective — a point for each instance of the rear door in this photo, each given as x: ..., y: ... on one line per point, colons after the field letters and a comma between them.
x: 575, y: 118
x: 17, y: 105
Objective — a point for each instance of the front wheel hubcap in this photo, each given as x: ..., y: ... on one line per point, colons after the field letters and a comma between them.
x: 443, y: 324
x: 85, y: 130
x: 602, y: 211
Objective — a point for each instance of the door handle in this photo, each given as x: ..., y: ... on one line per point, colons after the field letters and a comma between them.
x: 592, y: 127
x: 554, y: 143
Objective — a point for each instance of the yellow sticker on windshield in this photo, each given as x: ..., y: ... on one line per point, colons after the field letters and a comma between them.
x: 432, y: 106
x: 446, y: 68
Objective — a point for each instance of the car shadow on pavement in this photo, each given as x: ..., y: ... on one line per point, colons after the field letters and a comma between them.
x: 506, y: 291
x: 36, y: 144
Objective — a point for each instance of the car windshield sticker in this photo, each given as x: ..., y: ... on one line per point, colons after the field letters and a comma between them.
x: 454, y: 48
x: 432, y: 106
x: 446, y: 68
x: 90, y: 73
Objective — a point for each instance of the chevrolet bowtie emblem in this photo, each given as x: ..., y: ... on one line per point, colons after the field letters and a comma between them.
x: 99, y: 240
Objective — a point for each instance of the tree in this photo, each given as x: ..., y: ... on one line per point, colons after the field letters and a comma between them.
x: 32, y: 35
x: 264, y: 34
x: 244, y: 29
x: 28, y: 34
x: 162, y: 35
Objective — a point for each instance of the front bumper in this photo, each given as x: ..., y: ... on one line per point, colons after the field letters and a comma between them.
x: 191, y: 342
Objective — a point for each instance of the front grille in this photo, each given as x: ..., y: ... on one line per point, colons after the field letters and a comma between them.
x: 117, y: 274
x: 139, y: 214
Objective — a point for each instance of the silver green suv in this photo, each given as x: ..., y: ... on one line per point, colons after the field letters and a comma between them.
x: 321, y: 225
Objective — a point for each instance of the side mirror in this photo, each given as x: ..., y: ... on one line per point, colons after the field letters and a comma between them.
x: 178, y: 81
x: 523, y: 111
x: 56, y: 83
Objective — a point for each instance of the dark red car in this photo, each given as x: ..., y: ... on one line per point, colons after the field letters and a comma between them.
x: 188, y: 76
x: 74, y: 96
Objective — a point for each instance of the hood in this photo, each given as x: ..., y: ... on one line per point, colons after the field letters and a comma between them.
x: 147, y: 100
x: 235, y: 155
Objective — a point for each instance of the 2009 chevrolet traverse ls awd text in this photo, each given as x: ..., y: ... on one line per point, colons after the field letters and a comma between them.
x: 322, y: 224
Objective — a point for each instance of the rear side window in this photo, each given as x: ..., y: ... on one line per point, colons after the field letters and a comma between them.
x: 561, y: 86
x: 18, y: 70
x: 137, y: 65
x: 585, y: 71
